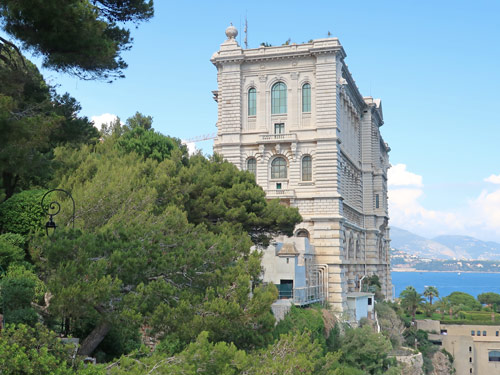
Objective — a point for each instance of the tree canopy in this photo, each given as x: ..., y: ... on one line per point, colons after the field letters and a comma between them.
x: 33, y: 120
x: 489, y: 298
x: 85, y: 38
x: 464, y: 301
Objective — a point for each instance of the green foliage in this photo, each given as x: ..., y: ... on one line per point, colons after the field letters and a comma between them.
x: 220, y: 194
x: 78, y: 37
x: 464, y: 301
x: 10, y: 252
x: 211, y: 192
x: 291, y: 354
x: 33, y: 120
x: 148, y: 143
x: 139, y: 120
x: 19, y: 288
x: 38, y: 351
x: 302, y: 319
x: 420, y: 339
x: 431, y: 292
x: 390, y: 323
x: 362, y: 348
x: 489, y: 298
x: 411, y: 300
x: 22, y: 213
x: 27, y: 121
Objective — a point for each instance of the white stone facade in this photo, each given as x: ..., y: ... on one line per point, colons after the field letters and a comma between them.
x: 344, y: 201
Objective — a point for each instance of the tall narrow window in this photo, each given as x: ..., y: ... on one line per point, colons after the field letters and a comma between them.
x: 377, y: 201
x: 279, y: 128
x: 252, y: 165
x: 278, y: 98
x: 306, y: 98
x: 252, y: 102
x: 278, y: 168
x: 306, y: 168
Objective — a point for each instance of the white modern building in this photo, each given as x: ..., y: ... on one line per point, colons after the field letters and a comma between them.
x: 293, y: 116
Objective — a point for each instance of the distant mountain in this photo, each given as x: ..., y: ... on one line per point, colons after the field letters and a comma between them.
x: 444, y: 247
x: 471, y: 247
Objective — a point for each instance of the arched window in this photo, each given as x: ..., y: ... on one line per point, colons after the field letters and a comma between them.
x: 278, y: 168
x: 306, y: 98
x: 302, y: 233
x: 278, y: 98
x: 252, y: 165
x: 252, y: 102
x: 306, y: 168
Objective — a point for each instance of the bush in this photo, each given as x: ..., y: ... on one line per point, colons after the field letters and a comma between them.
x: 10, y: 250
x: 19, y: 288
x: 301, y: 319
x: 22, y: 213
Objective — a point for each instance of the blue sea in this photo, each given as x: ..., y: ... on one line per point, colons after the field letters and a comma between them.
x: 447, y: 282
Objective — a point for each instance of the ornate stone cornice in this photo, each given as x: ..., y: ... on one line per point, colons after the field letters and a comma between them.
x: 293, y: 51
x: 352, y: 90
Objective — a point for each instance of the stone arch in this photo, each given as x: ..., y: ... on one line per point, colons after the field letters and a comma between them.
x: 302, y: 233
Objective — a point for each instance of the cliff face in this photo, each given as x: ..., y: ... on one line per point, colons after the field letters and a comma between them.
x: 411, y: 364
x: 441, y: 364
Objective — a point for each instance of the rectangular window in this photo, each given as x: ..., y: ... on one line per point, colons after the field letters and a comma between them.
x: 369, y: 301
x: 306, y: 168
x: 478, y: 333
x: 279, y: 128
x: 252, y: 102
x: 472, y: 333
x: 484, y: 333
x: 494, y: 356
x: 278, y: 186
x: 496, y: 333
x: 377, y: 201
x: 306, y: 98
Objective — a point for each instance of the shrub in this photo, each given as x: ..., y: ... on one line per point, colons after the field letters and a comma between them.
x: 22, y: 213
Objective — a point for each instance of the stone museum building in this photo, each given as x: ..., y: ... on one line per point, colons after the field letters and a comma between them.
x: 293, y: 116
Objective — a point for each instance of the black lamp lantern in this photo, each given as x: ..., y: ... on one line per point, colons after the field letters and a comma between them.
x: 52, y: 209
x: 50, y: 227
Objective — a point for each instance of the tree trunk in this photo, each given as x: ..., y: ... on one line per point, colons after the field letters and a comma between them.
x: 94, y: 338
x: 9, y: 183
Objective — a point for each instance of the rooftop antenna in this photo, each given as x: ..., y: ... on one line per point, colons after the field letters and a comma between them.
x: 246, y: 33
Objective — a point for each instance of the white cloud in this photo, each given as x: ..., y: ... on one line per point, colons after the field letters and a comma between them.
x: 479, y: 217
x: 484, y: 213
x: 105, y: 118
x: 399, y: 176
x: 494, y: 179
x: 406, y: 211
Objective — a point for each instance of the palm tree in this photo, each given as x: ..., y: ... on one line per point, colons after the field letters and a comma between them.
x: 411, y: 300
x: 430, y: 292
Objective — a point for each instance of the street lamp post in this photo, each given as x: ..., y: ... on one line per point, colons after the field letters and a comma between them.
x: 52, y: 209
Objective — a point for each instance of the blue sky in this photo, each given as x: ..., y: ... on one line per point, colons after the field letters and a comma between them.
x: 434, y: 64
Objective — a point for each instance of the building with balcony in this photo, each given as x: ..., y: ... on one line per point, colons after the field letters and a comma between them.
x: 293, y: 116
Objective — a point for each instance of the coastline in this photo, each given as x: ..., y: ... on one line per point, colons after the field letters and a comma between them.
x: 415, y: 270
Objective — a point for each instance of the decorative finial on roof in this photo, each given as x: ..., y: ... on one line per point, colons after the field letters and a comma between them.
x: 231, y: 32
